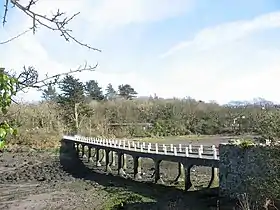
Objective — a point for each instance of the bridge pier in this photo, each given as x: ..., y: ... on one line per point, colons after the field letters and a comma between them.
x: 137, y: 167
x: 214, y: 178
x: 103, y: 158
x: 97, y: 151
x: 124, y: 162
x: 108, y: 162
x: 113, y: 158
x: 121, y: 171
x: 158, y: 178
x: 94, y: 153
x: 188, y: 182
x: 83, y: 151
x: 90, y: 154
x: 68, y: 147
x: 73, y: 146
x: 78, y: 149
x: 181, y: 173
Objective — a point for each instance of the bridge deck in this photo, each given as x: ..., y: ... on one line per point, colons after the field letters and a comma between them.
x: 185, y: 157
x: 198, y: 155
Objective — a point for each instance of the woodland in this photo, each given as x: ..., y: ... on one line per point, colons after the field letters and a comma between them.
x: 72, y: 107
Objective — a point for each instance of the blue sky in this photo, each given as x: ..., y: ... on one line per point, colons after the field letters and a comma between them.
x: 223, y: 50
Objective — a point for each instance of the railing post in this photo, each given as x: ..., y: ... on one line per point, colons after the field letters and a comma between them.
x: 171, y: 147
x: 180, y: 147
x: 165, y: 150
x: 215, y: 156
x: 201, y: 148
x: 200, y: 152
x: 187, y: 151
x: 175, y: 151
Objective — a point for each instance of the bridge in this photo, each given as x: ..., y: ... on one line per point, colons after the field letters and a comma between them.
x: 106, y: 151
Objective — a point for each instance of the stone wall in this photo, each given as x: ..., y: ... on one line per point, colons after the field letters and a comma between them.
x: 251, y: 169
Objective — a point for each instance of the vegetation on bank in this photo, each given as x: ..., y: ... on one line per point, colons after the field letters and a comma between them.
x: 83, y: 108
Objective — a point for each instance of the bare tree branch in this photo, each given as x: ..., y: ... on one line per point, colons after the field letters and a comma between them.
x: 15, y: 37
x: 5, y: 11
x: 28, y: 78
x: 32, y: 2
x: 55, y: 23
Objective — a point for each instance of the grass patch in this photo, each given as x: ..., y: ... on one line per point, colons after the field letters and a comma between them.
x: 124, y: 198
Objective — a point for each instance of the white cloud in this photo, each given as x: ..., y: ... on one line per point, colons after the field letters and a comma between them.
x: 111, y: 13
x: 218, y: 63
x: 101, y: 16
x: 29, y: 50
x: 228, y: 32
x: 223, y: 63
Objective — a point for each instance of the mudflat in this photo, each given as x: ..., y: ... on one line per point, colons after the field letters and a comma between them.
x: 54, y: 180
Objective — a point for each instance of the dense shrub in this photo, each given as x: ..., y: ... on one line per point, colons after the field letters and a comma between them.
x: 45, y: 121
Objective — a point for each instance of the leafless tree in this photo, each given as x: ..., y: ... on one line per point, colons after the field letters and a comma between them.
x: 57, y: 22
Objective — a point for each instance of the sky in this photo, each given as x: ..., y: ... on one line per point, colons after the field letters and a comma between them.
x: 208, y: 50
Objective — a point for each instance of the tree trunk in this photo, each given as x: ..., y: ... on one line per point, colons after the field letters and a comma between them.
x: 76, y: 116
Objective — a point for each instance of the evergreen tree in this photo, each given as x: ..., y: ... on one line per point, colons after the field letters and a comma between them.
x: 127, y: 92
x: 49, y: 94
x: 72, y: 90
x: 93, y: 91
x: 73, y: 103
x: 110, y: 92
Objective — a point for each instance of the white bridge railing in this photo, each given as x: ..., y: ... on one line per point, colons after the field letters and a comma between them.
x: 206, y: 152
